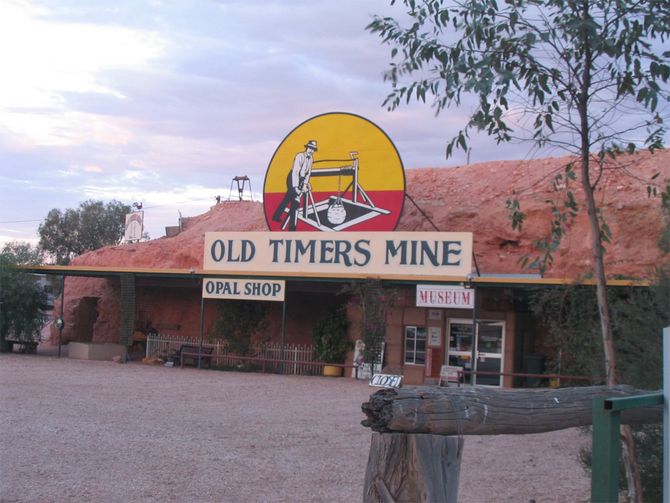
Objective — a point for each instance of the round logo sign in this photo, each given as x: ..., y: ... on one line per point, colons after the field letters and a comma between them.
x: 334, y: 172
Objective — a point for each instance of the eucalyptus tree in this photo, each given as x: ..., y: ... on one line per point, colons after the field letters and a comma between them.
x: 589, y: 77
x: 22, y: 301
x: 584, y: 76
x: 94, y: 224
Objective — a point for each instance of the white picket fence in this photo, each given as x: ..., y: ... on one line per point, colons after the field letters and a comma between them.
x: 298, y: 359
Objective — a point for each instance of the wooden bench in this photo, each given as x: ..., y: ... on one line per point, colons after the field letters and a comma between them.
x: 191, y: 352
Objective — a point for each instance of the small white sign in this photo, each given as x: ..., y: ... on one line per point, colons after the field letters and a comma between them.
x: 251, y: 289
x: 451, y: 373
x: 445, y: 296
x: 434, y: 337
x: 386, y: 381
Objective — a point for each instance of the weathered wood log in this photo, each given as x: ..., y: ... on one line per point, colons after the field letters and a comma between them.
x: 412, y: 468
x: 493, y: 411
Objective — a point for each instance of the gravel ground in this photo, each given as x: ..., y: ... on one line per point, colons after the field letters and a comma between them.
x: 80, y: 431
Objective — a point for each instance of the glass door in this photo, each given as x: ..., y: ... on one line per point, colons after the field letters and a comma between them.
x: 489, y: 352
x: 459, y: 354
x: 489, y: 349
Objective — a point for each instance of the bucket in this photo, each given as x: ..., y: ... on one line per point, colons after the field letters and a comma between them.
x: 332, y: 371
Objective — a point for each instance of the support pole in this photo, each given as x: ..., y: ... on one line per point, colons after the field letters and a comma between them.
x: 202, y: 323
x: 283, y: 335
x: 62, y: 308
x: 666, y: 413
x: 605, y: 454
x: 473, y: 358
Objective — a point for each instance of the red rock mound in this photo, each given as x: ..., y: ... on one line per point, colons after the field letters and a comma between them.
x: 464, y: 198
x: 468, y: 198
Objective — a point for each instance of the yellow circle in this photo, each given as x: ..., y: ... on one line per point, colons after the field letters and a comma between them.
x: 338, y: 135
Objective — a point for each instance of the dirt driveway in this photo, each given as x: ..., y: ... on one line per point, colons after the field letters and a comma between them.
x: 80, y: 431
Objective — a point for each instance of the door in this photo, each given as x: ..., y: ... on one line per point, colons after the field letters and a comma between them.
x: 489, y: 345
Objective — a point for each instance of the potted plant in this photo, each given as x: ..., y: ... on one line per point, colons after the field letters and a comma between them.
x: 331, y: 343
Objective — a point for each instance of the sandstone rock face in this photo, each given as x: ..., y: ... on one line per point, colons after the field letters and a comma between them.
x: 465, y: 198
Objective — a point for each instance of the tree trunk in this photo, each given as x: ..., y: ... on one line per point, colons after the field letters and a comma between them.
x: 492, y: 411
x: 630, y: 463
x: 413, y: 468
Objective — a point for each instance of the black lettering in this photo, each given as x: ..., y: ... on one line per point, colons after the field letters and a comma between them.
x: 230, y: 252
x: 275, y: 243
x: 327, y: 249
x: 219, y: 287
x: 218, y: 250
x: 287, y: 255
x: 430, y: 253
x: 248, y: 250
x: 358, y: 246
x: 209, y: 287
x: 413, y: 253
x: 275, y: 289
x: 342, y: 249
x: 301, y: 249
x: 447, y: 251
x: 393, y: 250
x: 247, y: 289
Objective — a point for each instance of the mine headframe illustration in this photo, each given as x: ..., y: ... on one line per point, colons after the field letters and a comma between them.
x: 349, y: 207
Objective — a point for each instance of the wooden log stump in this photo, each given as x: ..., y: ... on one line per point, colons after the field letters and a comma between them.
x: 412, y: 468
x: 493, y: 411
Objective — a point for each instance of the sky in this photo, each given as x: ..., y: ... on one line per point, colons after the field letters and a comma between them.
x: 165, y: 101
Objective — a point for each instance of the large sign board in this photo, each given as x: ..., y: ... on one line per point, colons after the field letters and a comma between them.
x: 350, y: 254
x: 334, y: 172
x: 243, y: 289
x: 445, y: 296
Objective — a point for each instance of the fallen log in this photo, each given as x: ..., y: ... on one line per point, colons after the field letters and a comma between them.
x: 493, y: 411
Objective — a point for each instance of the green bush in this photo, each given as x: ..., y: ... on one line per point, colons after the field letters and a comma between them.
x: 638, y: 317
x: 236, y: 321
x: 330, y: 337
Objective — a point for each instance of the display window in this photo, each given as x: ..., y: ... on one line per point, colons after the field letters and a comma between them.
x: 415, y: 345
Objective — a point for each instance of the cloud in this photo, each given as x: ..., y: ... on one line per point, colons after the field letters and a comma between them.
x: 165, y: 102
x: 52, y: 59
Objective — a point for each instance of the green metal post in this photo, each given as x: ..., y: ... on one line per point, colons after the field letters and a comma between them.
x: 666, y: 413
x: 606, y: 451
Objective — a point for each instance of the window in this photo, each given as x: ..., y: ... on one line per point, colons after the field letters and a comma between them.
x: 415, y: 345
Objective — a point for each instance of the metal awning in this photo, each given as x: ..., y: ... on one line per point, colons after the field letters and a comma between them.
x: 510, y: 280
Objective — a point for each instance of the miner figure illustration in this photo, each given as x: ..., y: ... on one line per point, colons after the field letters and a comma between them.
x: 297, y: 184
